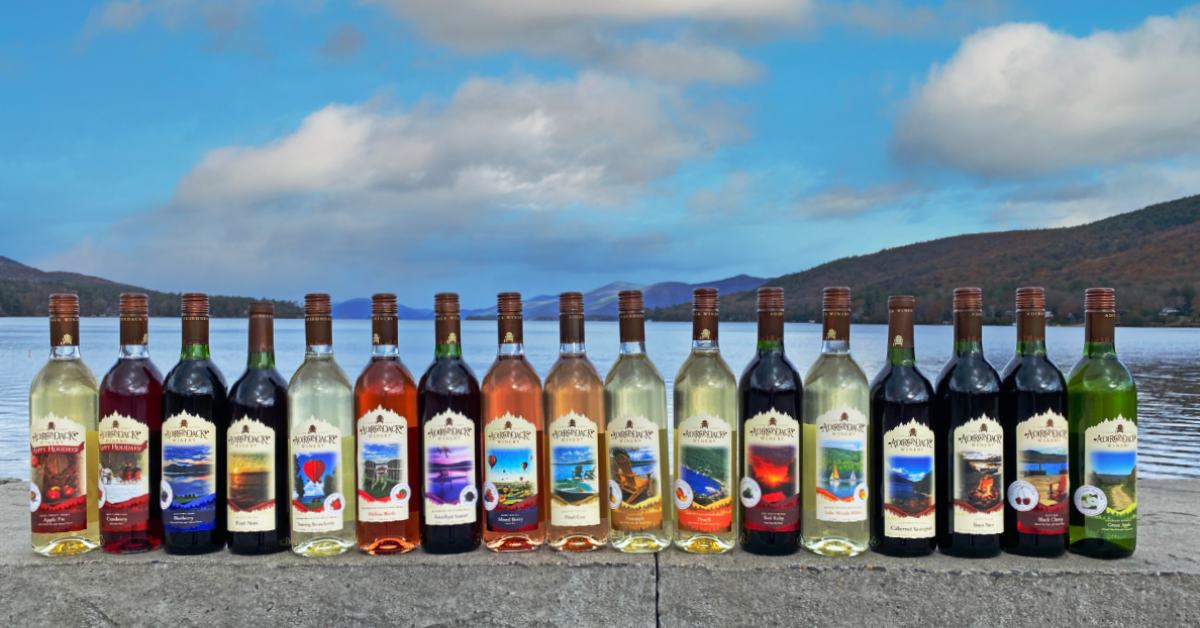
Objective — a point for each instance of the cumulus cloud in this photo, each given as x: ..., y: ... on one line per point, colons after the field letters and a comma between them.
x: 1021, y: 99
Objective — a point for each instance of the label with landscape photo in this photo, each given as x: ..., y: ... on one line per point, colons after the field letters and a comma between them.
x: 1110, y: 464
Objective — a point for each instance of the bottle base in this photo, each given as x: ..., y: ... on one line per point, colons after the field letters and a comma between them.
x: 834, y: 546
x: 387, y: 547
x: 640, y: 544
x: 320, y: 548
x: 904, y: 548
x: 1100, y: 548
x: 577, y: 543
x: 67, y: 546
x: 704, y: 544
x: 513, y: 544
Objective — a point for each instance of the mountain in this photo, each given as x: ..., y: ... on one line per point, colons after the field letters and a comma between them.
x: 25, y: 291
x: 361, y: 308
x: 1150, y: 256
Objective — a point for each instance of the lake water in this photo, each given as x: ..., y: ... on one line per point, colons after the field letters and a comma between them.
x: 1165, y: 362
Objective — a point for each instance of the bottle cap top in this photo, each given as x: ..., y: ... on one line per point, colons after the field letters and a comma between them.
x: 134, y: 305
x: 1100, y: 300
x: 571, y: 303
x: 901, y: 302
x: 1031, y: 298
x: 194, y: 305
x: 383, y: 305
x: 836, y: 298
x: 704, y: 300
x: 770, y: 299
x: 968, y: 300
x: 317, y: 305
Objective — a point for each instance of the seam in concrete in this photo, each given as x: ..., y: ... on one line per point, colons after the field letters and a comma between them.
x: 657, y: 589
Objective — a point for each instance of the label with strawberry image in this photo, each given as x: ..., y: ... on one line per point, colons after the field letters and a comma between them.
x: 124, y: 473
x: 383, y: 488
x: 1041, y: 491
x: 58, y: 475
x: 317, y: 502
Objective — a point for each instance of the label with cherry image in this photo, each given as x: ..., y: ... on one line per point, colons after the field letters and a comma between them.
x: 1041, y: 492
x: 58, y: 475
x: 124, y: 473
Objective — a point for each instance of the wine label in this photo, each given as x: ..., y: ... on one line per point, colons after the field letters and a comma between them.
x: 704, y: 488
x: 450, y: 494
x: 383, y: 489
x: 124, y: 473
x: 635, y: 463
x: 978, y: 483
x: 510, y: 488
x: 909, y: 483
x: 1041, y: 491
x: 250, y: 457
x: 189, y: 467
x: 1108, y: 499
x: 841, y: 465
x: 770, y: 488
x: 575, y: 466
x: 58, y: 475
x: 317, y: 501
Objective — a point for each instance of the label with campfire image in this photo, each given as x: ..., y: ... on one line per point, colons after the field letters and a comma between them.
x: 978, y: 484
x: 1041, y: 492
x: 704, y: 488
x: 189, y: 466
x: 575, y: 465
x: 383, y: 490
x: 250, y: 500
x: 317, y: 501
x: 635, y: 462
x: 1110, y: 466
x: 770, y: 488
x: 450, y: 494
x: 510, y: 489
x: 841, y: 465
x: 124, y: 473
x: 58, y: 475
x: 909, y: 483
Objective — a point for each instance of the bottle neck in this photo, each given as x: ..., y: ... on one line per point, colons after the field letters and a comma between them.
x: 385, y: 352
x: 447, y: 330
x: 64, y: 352
x: 571, y: 349
x: 633, y: 347
x: 1031, y: 332
x: 511, y: 349
x: 835, y: 332
x: 770, y: 331
x: 901, y: 347
x: 134, y: 352
x: 968, y: 332
x: 194, y: 351
x: 704, y: 332
x: 318, y: 351
x: 1099, y: 335
x: 260, y: 360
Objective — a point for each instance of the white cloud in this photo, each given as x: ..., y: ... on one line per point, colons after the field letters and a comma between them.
x: 846, y: 201
x: 1021, y: 99
x: 230, y: 24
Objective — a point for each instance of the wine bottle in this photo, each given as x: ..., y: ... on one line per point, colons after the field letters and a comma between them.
x: 771, y: 394
x: 574, y: 400
x: 635, y: 404
x: 706, y: 449
x: 1102, y: 415
x: 388, y: 442
x: 902, y: 482
x: 63, y: 476
x: 321, y: 441
x: 1033, y: 403
x: 131, y: 428
x: 513, y: 445
x: 256, y: 445
x: 449, y: 406
x: 969, y: 440
x: 836, y: 424
x: 195, y: 409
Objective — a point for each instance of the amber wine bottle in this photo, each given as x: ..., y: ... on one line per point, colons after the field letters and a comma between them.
x: 836, y: 425
x: 574, y: 412
x: 1102, y: 412
x: 705, y: 438
x: 635, y: 404
x: 64, y: 460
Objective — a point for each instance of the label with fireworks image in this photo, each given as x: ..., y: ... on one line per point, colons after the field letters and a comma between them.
x: 771, y: 478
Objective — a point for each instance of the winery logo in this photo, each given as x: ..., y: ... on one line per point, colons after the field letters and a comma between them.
x: 703, y: 424
x: 378, y: 418
x: 705, y: 334
x: 983, y: 427
x: 116, y: 425
x: 898, y: 341
x: 845, y: 417
x: 312, y: 429
x: 629, y: 424
x: 245, y: 428
x: 67, y: 339
x: 375, y: 339
x: 1049, y: 422
x: 449, y: 421
x: 508, y: 425
x: 452, y: 338
x: 508, y: 337
x: 571, y: 423
x: 831, y: 334
x: 183, y: 424
x: 912, y: 431
x: 772, y: 422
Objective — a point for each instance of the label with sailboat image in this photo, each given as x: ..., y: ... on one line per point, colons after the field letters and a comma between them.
x: 909, y: 482
x: 842, y: 465
x: 978, y: 487
x: 704, y: 490
x: 1042, y: 490
x: 635, y: 448
x: 575, y: 467
x: 771, y: 476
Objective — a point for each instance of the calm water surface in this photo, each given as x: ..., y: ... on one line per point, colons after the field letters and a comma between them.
x: 1165, y: 362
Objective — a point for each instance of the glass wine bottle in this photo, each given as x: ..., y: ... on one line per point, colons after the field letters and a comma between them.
x: 635, y: 404
x: 388, y: 442
x: 771, y: 394
x: 195, y: 409
x: 256, y: 445
x: 836, y: 424
x: 969, y: 440
x: 1102, y: 413
x: 513, y: 447
x: 903, y: 509
x: 1033, y: 403
x: 130, y: 429
x: 706, y: 398
x: 321, y: 441
x: 63, y: 409
x: 449, y: 406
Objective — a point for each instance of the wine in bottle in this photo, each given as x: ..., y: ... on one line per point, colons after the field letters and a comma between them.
x: 63, y: 476
x: 706, y: 399
x: 1033, y: 405
x: 388, y: 441
x: 902, y: 450
x: 449, y: 406
x: 969, y: 440
x: 256, y: 445
x: 635, y: 404
x: 195, y: 413
x: 130, y: 429
x: 321, y: 441
x: 771, y: 394
x: 1102, y: 413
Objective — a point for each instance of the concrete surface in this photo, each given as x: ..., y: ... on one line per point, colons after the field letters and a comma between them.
x: 1159, y: 585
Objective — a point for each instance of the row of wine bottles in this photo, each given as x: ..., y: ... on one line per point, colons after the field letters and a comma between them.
x: 1027, y: 461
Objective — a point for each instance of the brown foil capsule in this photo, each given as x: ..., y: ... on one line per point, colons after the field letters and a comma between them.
x: 384, y: 328
x: 835, y: 308
x: 64, y: 320
x: 704, y: 314
x: 508, y: 318
x: 968, y: 314
x: 770, y: 314
x: 262, y: 327
x: 318, y: 319
x: 631, y: 312
x: 193, y: 307
x: 135, y: 318
x: 446, y: 318
x: 1100, y: 315
x: 900, y: 321
x: 570, y: 318
x: 1031, y: 314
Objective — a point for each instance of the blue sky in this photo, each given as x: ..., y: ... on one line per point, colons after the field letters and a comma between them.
x: 268, y: 148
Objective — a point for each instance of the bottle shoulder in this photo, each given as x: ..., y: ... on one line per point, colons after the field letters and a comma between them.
x: 258, y: 387
x: 388, y: 376
x: 970, y: 374
x: 319, y: 374
x: 138, y: 375
x: 704, y: 369
x: 1107, y: 373
x: 835, y: 370
x: 512, y: 372
x: 64, y: 376
x: 573, y: 372
x: 772, y: 372
x: 634, y: 371
x: 904, y: 384
x: 1032, y: 373
x: 449, y: 376
x: 195, y: 377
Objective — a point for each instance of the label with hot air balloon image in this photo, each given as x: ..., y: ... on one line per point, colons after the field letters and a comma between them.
x: 978, y: 476
x: 317, y: 502
x: 770, y: 488
x: 575, y: 463
x: 1042, y: 490
x: 908, y: 481
x: 250, y: 501
x: 58, y: 475
x: 704, y: 488
x: 450, y: 494
x: 510, y: 492
x: 124, y: 472
x: 635, y: 447
x: 383, y: 490
x: 189, y: 466
x: 841, y: 465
